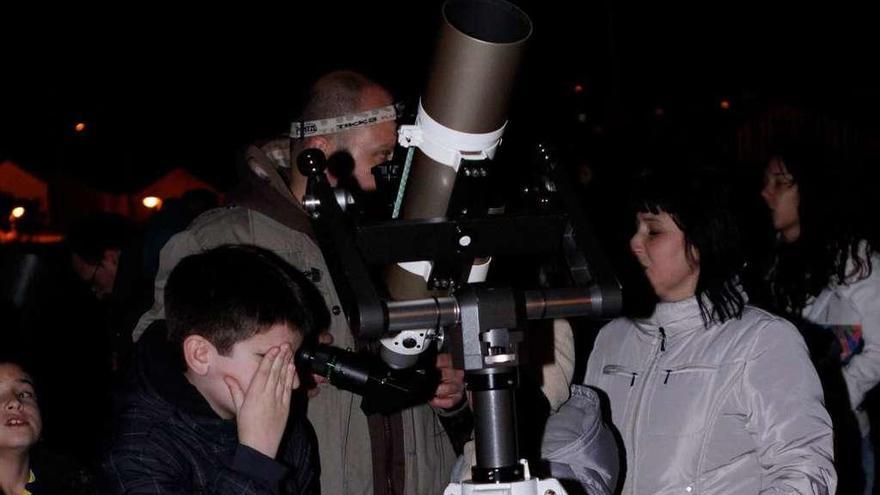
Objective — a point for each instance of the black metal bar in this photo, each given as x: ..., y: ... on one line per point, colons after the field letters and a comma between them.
x: 416, y: 240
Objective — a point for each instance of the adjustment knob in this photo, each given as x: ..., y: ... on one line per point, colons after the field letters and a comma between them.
x: 311, y: 162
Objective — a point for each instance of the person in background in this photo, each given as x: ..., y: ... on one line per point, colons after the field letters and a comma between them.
x: 106, y: 254
x: 25, y: 467
x: 822, y: 273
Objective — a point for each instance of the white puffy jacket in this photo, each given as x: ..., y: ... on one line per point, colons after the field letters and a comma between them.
x: 857, y: 304
x: 735, y: 408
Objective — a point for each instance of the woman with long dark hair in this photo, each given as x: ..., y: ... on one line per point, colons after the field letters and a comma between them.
x: 823, y: 274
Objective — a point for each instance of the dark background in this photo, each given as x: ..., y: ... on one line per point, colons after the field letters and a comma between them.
x: 162, y: 88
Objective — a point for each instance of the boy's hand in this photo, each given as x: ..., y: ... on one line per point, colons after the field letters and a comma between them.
x: 261, y: 412
x: 451, y: 388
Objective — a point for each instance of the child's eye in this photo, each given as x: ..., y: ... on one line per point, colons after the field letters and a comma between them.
x: 25, y: 395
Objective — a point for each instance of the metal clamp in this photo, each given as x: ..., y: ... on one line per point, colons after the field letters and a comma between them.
x: 445, y: 145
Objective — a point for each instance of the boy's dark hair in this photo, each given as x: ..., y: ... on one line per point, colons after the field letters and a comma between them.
x: 230, y: 293
x: 698, y: 202
x: 91, y: 236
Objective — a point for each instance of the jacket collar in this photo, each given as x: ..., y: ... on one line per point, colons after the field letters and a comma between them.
x: 160, y: 366
x: 261, y: 186
x: 675, y: 318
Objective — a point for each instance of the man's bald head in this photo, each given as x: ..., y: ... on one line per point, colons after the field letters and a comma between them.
x: 346, y: 92
x: 338, y: 93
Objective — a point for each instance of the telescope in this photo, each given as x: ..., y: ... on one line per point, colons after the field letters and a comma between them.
x: 440, y: 245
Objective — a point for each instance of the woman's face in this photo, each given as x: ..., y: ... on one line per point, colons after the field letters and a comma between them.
x: 659, y: 246
x: 20, y: 422
x: 781, y: 194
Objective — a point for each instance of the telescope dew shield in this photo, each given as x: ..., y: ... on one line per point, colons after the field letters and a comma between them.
x: 469, y: 86
x: 463, y: 111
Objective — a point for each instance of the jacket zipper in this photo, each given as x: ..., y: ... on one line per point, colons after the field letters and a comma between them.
x: 639, y: 396
x: 694, y: 368
x: 621, y: 371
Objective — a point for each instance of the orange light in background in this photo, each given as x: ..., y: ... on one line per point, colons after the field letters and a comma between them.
x: 725, y: 104
x: 578, y: 88
x: 79, y: 127
x: 18, y: 212
x: 152, y: 202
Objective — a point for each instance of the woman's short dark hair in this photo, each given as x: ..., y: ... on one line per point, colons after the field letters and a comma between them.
x: 230, y: 293
x: 698, y: 202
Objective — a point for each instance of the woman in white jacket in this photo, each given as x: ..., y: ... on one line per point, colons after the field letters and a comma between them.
x: 824, y: 271
x: 709, y: 395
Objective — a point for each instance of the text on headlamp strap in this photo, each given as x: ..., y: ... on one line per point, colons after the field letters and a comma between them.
x: 304, y: 129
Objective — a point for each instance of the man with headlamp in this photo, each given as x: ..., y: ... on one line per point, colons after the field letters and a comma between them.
x: 351, y: 119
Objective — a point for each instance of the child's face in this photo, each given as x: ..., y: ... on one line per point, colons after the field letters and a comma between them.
x: 20, y: 422
x: 243, y: 360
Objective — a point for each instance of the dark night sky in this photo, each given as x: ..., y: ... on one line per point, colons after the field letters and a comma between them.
x: 166, y: 89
